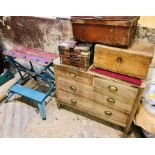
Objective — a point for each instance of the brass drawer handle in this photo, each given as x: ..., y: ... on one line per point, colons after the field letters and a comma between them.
x: 110, y: 100
x: 72, y: 75
x: 113, y: 89
x: 73, y: 88
x: 108, y: 113
x: 73, y: 101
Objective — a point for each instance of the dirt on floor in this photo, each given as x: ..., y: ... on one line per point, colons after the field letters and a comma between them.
x: 20, y: 118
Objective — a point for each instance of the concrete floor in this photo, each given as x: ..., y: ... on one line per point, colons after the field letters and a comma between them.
x: 20, y: 118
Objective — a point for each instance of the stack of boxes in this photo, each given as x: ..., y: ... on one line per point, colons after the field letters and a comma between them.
x: 112, y: 86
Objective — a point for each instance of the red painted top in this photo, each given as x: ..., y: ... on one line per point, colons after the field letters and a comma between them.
x: 35, y: 55
x: 129, y: 79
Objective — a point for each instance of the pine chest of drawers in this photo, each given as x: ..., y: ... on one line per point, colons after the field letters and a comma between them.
x: 112, y: 100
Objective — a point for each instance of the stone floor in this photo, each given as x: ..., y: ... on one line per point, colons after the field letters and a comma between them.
x: 14, y: 118
x: 18, y: 119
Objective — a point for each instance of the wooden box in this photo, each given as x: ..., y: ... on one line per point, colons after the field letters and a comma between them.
x: 133, y: 62
x: 109, y: 30
x: 76, y: 54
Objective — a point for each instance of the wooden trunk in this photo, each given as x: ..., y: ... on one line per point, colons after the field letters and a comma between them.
x: 133, y: 62
x: 107, y: 98
x: 109, y: 30
x: 76, y: 54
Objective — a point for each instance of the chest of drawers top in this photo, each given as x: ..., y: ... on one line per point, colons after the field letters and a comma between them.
x: 91, y: 78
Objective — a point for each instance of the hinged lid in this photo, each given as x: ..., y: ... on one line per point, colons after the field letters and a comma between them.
x: 105, y: 20
x: 74, y: 46
x: 68, y: 44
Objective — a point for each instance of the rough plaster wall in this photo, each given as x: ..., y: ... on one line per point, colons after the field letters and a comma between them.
x: 146, y: 34
x: 147, y: 21
x: 41, y: 33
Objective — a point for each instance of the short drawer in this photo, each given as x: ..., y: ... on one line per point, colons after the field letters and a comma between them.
x: 115, y: 102
x: 114, y: 88
x: 92, y: 107
x: 75, y: 75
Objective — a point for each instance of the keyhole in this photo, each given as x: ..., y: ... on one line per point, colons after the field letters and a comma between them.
x: 119, y: 60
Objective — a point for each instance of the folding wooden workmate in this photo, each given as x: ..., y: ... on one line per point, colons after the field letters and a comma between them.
x: 46, y: 75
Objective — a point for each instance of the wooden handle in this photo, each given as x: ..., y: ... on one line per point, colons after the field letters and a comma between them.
x: 109, y: 113
x: 110, y: 100
x: 73, y: 101
x: 72, y: 75
x: 113, y: 89
x: 73, y: 88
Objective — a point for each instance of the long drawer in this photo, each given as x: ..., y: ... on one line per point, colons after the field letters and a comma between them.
x: 119, y: 103
x: 92, y: 107
x: 75, y: 75
x: 114, y: 88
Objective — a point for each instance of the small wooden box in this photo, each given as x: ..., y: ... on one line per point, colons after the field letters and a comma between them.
x: 76, y: 54
x: 116, y: 31
x: 134, y: 61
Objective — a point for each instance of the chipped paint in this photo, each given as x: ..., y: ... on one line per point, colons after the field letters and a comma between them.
x: 35, y: 32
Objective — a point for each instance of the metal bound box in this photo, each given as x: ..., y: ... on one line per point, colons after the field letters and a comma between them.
x: 76, y: 54
x: 134, y: 61
x: 116, y: 31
